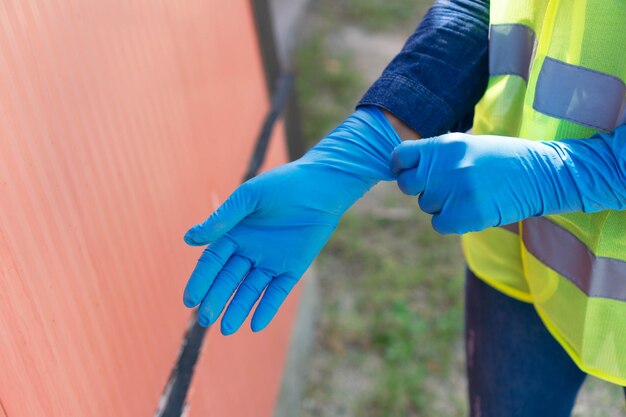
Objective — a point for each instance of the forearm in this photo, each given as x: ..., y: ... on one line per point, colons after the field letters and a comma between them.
x: 361, y: 146
x: 598, y: 168
x: 441, y: 72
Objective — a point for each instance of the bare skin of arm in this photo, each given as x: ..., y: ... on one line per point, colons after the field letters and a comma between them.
x: 401, y: 128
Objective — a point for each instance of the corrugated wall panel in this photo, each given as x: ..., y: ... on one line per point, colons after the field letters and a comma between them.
x: 121, y: 123
x: 240, y: 375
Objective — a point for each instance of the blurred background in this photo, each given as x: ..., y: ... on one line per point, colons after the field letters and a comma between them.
x: 123, y: 123
x: 389, y: 332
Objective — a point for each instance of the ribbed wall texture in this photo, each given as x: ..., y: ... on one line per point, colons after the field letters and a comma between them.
x: 121, y: 124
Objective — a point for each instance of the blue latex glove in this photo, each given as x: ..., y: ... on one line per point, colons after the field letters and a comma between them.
x: 270, y: 229
x: 469, y: 183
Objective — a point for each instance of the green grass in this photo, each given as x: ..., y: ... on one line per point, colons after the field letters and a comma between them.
x: 328, y: 86
x: 406, y: 286
x: 391, y: 288
x: 377, y: 15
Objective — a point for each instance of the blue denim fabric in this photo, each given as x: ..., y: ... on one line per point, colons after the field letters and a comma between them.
x: 436, y: 80
x: 523, y: 371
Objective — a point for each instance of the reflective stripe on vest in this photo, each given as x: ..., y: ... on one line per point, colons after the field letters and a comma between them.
x: 564, y: 91
x: 580, y: 95
x: 510, y: 50
x: 564, y: 253
x: 513, y: 227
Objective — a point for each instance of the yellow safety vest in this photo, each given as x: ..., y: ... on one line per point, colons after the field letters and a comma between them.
x: 557, y: 70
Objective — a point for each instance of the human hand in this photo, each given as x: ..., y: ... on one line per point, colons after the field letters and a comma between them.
x: 469, y: 183
x: 267, y: 233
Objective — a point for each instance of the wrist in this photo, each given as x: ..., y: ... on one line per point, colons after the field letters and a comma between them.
x: 404, y: 131
x: 361, y: 146
x: 561, y: 185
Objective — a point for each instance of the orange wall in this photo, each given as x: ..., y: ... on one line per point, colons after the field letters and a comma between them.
x: 121, y: 124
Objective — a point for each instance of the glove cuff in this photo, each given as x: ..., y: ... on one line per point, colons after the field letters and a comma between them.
x: 360, y: 146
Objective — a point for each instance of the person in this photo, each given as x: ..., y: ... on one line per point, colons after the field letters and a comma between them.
x: 538, y: 192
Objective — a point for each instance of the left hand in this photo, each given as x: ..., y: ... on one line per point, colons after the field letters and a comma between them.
x: 267, y: 233
x: 469, y: 183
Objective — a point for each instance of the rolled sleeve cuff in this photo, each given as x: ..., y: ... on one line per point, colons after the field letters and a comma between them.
x: 412, y: 103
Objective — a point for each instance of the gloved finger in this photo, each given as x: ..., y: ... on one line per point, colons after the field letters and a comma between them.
x: 248, y: 293
x: 210, y: 263
x: 411, y: 181
x: 274, y: 296
x: 458, y: 220
x: 429, y: 203
x: 443, y: 224
x: 235, y: 208
x: 407, y: 155
x: 222, y: 289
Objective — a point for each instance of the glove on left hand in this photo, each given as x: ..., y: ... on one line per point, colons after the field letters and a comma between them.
x: 271, y: 228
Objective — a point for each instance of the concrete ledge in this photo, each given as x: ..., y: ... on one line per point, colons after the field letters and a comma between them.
x: 302, y: 338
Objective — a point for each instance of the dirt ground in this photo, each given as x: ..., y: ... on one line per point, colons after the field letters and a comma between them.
x: 364, y: 334
x: 342, y: 374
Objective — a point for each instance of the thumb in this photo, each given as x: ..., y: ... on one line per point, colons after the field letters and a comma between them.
x: 407, y: 155
x: 412, y: 181
x: 228, y: 215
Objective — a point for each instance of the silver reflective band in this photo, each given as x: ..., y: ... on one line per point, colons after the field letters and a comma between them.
x: 561, y: 251
x: 513, y: 228
x: 510, y: 49
x: 621, y: 120
x: 579, y: 95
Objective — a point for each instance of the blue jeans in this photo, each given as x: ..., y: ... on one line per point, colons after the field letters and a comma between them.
x: 514, y: 366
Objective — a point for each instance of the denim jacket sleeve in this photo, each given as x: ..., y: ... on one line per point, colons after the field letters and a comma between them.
x: 436, y: 80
